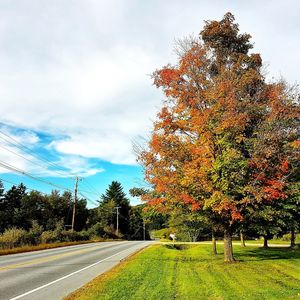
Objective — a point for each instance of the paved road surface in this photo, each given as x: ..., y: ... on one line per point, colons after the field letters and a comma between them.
x: 54, y: 273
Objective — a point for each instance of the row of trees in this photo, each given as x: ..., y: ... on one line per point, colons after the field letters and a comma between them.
x: 226, y: 143
x: 50, y: 216
x: 18, y: 208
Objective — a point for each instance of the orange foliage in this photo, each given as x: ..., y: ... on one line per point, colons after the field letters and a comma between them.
x: 222, y: 129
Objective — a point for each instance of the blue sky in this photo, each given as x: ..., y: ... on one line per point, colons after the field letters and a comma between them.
x: 75, y: 86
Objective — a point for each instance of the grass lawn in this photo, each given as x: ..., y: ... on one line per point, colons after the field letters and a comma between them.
x: 192, y: 272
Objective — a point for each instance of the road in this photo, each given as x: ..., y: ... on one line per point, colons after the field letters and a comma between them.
x: 54, y: 273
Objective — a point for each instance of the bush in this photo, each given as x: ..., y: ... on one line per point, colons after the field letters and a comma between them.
x: 96, y: 231
x: 49, y: 237
x: 83, y: 235
x: 33, y: 236
x: 53, y: 236
x: 13, y: 237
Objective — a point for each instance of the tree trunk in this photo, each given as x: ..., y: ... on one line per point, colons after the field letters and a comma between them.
x: 265, y: 241
x: 293, y: 238
x: 242, y: 239
x: 214, y: 243
x: 228, y: 251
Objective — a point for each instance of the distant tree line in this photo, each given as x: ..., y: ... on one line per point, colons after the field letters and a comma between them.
x: 32, y: 217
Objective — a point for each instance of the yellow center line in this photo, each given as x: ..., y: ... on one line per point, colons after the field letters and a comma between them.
x: 50, y: 258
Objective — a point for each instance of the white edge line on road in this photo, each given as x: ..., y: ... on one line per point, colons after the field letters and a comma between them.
x: 66, y: 276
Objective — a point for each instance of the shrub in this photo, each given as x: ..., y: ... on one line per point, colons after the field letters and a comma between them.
x: 49, y: 237
x: 83, y: 235
x: 12, y: 237
x: 96, y: 231
x: 33, y: 236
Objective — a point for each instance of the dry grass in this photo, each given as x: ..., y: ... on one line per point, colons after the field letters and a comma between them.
x: 44, y: 246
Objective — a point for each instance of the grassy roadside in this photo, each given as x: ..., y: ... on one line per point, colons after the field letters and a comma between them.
x: 47, y: 246
x: 192, y: 272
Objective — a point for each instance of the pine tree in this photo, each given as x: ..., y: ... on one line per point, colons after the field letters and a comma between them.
x: 115, y: 193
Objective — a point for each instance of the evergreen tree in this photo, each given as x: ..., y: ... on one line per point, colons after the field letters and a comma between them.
x: 115, y: 193
x: 11, y: 206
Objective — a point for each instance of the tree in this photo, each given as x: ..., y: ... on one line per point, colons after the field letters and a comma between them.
x: 107, y: 216
x: 11, y: 205
x: 116, y: 194
x: 138, y: 227
x: 222, y: 140
x: 267, y: 221
x: 153, y: 218
x: 34, y: 207
x: 59, y: 209
x: 292, y: 203
x: 189, y: 225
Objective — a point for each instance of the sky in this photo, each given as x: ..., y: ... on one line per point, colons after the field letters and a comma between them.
x: 75, y: 84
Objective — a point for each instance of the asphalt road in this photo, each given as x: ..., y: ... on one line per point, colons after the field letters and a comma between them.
x: 54, y: 273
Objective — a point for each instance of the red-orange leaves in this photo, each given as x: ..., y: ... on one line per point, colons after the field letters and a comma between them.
x: 188, y: 200
x: 225, y: 206
x: 155, y: 142
x: 166, y: 76
x: 284, y: 168
x: 274, y: 190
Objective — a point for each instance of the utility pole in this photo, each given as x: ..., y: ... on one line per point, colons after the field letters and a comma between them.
x: 74, y: 204
x: 144, y: 230
x: 117, y: 208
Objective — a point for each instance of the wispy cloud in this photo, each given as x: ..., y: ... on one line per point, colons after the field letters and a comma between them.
x: 22, y: 150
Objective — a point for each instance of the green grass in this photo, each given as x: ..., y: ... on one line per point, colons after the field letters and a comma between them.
x: 192, y: 272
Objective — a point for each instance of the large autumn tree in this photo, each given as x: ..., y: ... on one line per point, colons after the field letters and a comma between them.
x: 224, y: 137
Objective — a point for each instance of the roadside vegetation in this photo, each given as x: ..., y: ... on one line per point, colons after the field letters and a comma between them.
x: 32, y: 220
x: 29, y: 248
x: 193, y: 272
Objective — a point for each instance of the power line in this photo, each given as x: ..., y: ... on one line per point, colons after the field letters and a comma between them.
x: 14, y: 142
x: 91, y: 188
x: 24, y: 148
x: 85, y: 197
x: 16, y: 184
x: 89, y: 191
x: 40, y: 165
x: 22, y: 172
x: 33, y: 162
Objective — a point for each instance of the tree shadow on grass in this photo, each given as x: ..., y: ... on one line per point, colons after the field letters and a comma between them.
x: 268, y: 254
x: 179, y: 246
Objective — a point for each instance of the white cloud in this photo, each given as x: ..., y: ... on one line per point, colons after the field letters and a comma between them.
x: 19, y: 150
x: 78, y: 69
